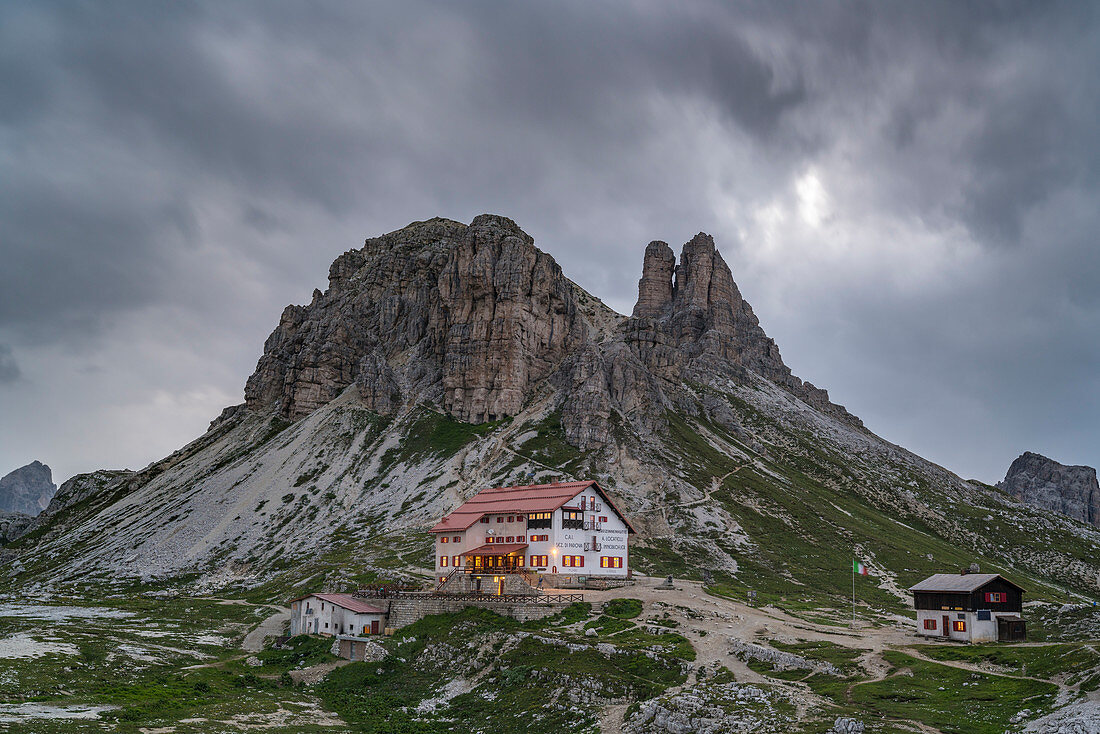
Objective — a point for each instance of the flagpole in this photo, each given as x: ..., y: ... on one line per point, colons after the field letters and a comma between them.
x: 853, y: 594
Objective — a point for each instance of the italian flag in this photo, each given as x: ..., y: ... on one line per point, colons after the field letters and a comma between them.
x: 859, y: 568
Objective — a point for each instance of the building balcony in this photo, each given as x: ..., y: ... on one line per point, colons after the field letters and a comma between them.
x: 588, y: 547
x: 589, y: 525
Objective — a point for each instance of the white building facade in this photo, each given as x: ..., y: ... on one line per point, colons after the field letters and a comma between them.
x: 335, y: 614
x: 562, y: 528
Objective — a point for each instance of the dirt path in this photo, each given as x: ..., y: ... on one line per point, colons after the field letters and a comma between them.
x: 270, y: 627
x: 715, y: 484
x: 721, y: 620
x: 914, y: 652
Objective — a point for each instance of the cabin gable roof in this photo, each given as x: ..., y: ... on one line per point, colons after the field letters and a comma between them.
x: 960, y: 583
x: 520, y: 500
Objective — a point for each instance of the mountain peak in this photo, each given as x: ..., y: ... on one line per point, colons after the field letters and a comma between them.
x: 28, y: 489
x: 472, y: 319
x: 1041, y: 482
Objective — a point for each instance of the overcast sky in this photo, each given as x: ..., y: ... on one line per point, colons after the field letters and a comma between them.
x: 906, y: 193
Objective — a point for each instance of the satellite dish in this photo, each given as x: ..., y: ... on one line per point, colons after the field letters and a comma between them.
x: 490, y: 531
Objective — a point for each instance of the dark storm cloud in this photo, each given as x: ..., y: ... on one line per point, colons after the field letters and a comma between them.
x: 200, y: 163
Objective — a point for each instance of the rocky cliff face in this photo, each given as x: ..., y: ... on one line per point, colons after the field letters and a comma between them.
x: 471, y: 319
x: 691, y: 322
x: 1040, y: 482
x: 28, y: 489
x: 467, y: 318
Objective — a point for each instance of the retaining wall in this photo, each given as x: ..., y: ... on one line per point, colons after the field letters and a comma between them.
x: 403, y: 612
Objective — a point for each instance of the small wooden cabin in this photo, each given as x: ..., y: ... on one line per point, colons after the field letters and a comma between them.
x: 969, y: 607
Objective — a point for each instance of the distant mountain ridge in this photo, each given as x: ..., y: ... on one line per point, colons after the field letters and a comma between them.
x: 27, y: 490
x: 1040, y: 482
x: 443, y: 358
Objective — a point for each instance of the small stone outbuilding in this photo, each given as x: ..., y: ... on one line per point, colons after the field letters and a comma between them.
x: 335, y: 614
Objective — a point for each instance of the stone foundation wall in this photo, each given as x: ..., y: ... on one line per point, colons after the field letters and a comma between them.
x: 404, y: 612
x: 591, y: 581
x: 467, y: 583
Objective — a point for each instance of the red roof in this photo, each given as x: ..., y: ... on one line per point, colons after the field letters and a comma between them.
x: 520, y: 500
x: 347, y: 601
x: 496, y: 549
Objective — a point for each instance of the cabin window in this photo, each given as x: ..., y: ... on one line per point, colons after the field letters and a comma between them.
x: 538, y: 520
x: 959, y: 626
x: 457, y: 538
x: 326, y: 625
x: 984, y: 615
x: 572, y: 561
x: 510, y: 518
x: 572, y: 519
x: 930, y: 624
x: 611, y: 561
x: 443, y: 561
x: 500, y: 518
x: 444, y: 539
x: 485, y: 519
x: 996, y: 596
x: 510, y: 539
x: 542, y: 561
x: 603, y: 519
x: 519, y: 538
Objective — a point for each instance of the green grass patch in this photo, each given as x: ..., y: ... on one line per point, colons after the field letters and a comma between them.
x: 952, y: 700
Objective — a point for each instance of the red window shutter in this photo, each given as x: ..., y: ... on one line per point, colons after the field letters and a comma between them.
x: 581, y: 559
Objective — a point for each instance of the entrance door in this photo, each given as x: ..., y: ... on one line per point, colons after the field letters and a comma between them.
x: 946, y: 626
x: 374, y: 626
x: 500, y: 586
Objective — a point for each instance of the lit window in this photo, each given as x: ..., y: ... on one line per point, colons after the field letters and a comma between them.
x: 443, y: 561
x: 444, y: 539
x: 454, y: 561
x: 959, y: 626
